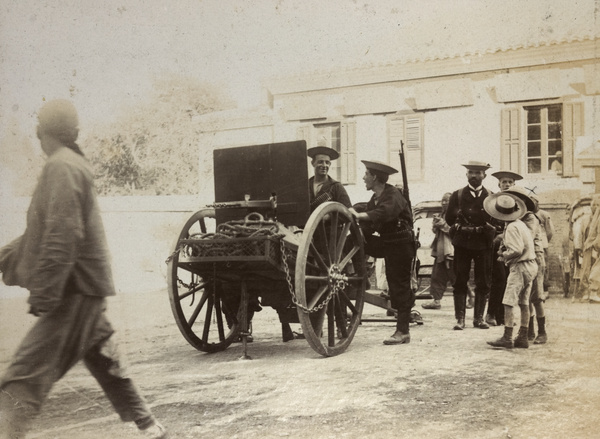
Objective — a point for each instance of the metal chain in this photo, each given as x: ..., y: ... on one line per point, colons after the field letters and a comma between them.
x: 336, y: 287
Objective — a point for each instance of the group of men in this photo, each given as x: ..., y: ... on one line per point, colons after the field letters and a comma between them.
x: 387, y: 224
x: 473, y: 232
x: 62, y: 259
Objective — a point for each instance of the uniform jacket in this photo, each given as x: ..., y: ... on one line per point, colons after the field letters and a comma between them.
x: 64, y: 244
x: 331, y: 190
x: 473, y: 215
x: 518, y: 243
x: 387, y: 210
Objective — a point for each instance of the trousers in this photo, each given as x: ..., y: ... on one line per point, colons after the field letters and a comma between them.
x: 76, y: 330
x: 482, y: 260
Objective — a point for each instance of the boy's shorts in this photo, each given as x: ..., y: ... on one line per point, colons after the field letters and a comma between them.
x: 518, y: 284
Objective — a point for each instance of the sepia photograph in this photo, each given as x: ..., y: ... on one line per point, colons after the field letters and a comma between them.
x: 299, y: 219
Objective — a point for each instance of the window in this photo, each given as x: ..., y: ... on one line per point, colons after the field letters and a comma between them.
x: 544, y: 139
x: 540, y: 139
x: 407, y: 129
x: 340, y: 136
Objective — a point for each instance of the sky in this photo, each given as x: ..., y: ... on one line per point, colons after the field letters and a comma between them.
x: 104, y: 54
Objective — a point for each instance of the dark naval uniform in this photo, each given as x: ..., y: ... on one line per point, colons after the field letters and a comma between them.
x: 331, y: 190
x: 472, y: 239
x: 391, y: 217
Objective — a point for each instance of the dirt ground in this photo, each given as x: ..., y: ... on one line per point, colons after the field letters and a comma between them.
x: 444, y: 384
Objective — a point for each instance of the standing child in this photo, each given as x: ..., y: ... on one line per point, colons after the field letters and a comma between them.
x: 518, y: 252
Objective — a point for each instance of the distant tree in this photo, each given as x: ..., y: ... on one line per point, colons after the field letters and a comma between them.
x: 153, y: 148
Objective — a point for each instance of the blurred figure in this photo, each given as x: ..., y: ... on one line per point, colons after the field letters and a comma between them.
x: 62, y: 259
x: 548, y: 229
x: 442, y: 250
x: 495, y: 312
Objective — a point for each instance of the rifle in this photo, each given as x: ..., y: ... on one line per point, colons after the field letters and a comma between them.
x: 415, y: 264
x: 404, y: 176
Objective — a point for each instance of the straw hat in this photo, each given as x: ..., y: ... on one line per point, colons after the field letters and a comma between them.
x: 507, y: 174
x: 505, y: 207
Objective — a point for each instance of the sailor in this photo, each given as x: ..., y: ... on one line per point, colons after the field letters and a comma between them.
x: 388, y: 214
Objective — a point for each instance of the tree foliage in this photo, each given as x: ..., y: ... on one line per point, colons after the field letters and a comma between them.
x: 154, y: 147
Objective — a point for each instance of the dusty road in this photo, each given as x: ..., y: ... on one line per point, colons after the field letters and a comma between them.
x: 444, y: 384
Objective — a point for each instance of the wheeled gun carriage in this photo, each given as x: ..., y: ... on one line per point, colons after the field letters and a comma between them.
x: 260, y: 241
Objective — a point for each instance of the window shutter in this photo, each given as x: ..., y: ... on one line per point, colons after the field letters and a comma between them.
x: 348, y: 152
x: 510, y: 158
x: 572, y: 128
x: 413, y: 147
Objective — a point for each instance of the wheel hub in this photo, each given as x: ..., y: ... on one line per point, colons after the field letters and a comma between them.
x: 337, y: 279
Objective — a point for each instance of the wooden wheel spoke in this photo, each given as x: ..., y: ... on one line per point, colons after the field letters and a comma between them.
x: 347, y: 302
x: 194, y: 290
x: 348, y: 257
x: 323, y: 235
x: 342, y: 241
x: 333, y: 234
x: 219, y: 314
x: 330, y: 324
x: 208, y: 319
x: 318, y: 257
x: 199, y: 307
x: 202, y: 225
x: 317, y: 296
x: 317, y: 278
x: 340, y: 317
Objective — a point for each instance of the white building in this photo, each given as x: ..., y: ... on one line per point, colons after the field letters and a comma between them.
x: 530, y: 109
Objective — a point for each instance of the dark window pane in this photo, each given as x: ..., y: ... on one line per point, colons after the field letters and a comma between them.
x: 554, y: 131
x: 554, y: 146
x: 554, y: 113
x: 534, y: 132
x: 534, y: 149
x: 534, y: 166
x: 533, y: 116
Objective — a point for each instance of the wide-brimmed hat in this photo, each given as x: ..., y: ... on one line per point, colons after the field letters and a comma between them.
x: 524, y: 195
x: 504, y: 206
x: 477, y: 166
x: 379, y: 166
x: 329, y: 152
x: 507, y: 174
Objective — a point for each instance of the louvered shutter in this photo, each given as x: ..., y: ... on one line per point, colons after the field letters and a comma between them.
x: 572, y: 128
x: 510, y: 157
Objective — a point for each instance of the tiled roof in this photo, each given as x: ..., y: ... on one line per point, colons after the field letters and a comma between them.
x: 353, y: 75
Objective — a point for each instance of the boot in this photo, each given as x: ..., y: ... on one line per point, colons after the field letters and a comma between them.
x: 542, y: 338
x: 505, y: 341
x: 460, y: 303
x: 531, y: 330
x: 521, y: 340
x: 478, y: 312
x: 490, y: 320
x: 402, y: 334
x: 397, y: 338
x: 286, y: 332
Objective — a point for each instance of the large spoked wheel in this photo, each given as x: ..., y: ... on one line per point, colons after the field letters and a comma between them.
x: 330, y: 279
x: 201, y: 313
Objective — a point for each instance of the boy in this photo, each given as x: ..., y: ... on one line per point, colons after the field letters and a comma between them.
x: 518, y: 252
